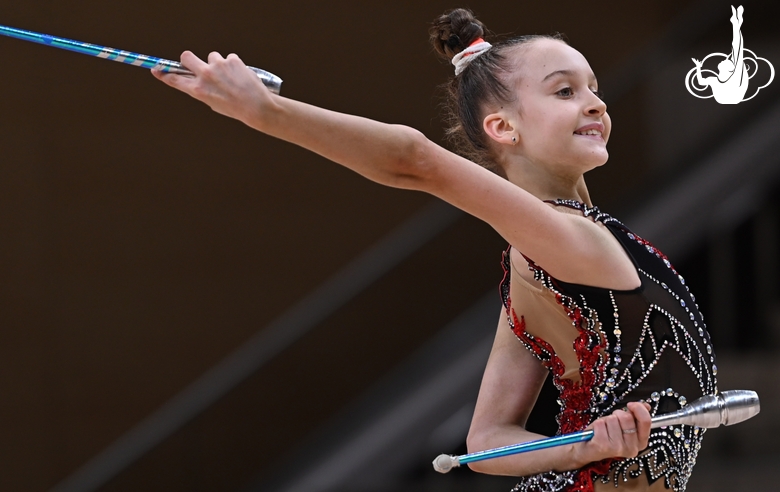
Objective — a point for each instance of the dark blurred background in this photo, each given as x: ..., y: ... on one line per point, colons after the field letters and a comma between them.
x: 188, y: 305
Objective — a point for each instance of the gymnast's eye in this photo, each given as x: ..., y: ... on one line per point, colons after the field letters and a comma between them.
x: 565, y: 92
x: 599, y: 94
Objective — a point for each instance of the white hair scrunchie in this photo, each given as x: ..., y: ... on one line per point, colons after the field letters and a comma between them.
x: 462, y: 59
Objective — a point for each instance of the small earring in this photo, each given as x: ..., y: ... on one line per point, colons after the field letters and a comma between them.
x: 514, y: 140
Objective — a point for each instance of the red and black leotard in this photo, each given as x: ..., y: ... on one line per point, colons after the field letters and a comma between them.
x: 647, y: 344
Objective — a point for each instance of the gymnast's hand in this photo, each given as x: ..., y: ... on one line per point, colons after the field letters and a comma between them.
x: 623, y: 434
x: 224, y: 84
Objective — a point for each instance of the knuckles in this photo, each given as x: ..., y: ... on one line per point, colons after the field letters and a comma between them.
x: 609, y: 441
x: 198, y: 91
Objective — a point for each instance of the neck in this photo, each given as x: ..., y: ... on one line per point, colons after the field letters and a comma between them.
x: 546, y: 184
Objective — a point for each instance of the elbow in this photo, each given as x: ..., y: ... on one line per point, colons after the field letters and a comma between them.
x: 475, y: 441
x: 412, y: 163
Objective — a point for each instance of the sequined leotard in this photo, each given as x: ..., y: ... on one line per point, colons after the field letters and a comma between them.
x: 647, y: 344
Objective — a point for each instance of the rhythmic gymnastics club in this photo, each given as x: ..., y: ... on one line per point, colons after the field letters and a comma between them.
x: 270, y: 80
x: 727, y: 408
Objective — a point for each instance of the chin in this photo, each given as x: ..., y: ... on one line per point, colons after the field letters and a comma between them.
x: 596, y: 160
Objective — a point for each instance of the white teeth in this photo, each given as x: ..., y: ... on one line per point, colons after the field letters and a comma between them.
x: 589, y: 132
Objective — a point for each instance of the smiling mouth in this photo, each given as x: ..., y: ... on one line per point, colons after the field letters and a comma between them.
x: 589, y: 132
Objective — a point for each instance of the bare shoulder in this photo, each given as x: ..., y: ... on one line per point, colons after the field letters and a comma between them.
x: 524, y: 220
x: 601, y: 260
x: 567, y: 245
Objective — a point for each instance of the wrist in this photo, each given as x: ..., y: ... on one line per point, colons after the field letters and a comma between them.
x: 264, y: 113
x: 575, y: 457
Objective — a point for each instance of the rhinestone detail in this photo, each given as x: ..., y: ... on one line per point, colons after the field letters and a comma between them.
x: 619, y: 365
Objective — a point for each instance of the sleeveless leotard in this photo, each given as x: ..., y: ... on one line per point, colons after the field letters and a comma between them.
x: 648, y: 344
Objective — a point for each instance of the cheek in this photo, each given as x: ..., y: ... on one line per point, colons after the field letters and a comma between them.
x: 549, y: 134
x: 546, y: 124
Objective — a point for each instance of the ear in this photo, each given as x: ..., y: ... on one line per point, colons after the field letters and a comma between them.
x: 500, y: 128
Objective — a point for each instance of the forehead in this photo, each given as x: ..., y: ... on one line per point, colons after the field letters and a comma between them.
x: 537, y: 60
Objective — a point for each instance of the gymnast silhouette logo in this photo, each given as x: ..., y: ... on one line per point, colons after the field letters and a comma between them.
x: 735, y: 70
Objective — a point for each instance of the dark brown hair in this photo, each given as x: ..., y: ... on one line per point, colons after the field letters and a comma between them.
x: 480, y: 84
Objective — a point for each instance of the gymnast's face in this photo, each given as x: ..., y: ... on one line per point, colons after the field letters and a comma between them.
x: 559, y: 119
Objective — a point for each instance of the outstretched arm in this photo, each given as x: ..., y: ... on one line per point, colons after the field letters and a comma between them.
x: 393, y: 155
x: 375, y: 150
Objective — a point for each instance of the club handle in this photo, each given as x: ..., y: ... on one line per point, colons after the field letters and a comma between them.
x: 270, y: 80
x: 444, y: 463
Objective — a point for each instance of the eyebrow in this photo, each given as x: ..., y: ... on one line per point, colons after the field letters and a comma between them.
x: 568, y: 73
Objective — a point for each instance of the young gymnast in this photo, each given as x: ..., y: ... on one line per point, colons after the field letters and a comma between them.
x: 584, y: 298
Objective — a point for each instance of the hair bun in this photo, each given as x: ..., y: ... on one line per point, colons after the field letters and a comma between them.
x: 453, y: 31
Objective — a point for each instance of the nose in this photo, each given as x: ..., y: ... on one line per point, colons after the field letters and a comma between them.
x: 595, y: 105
